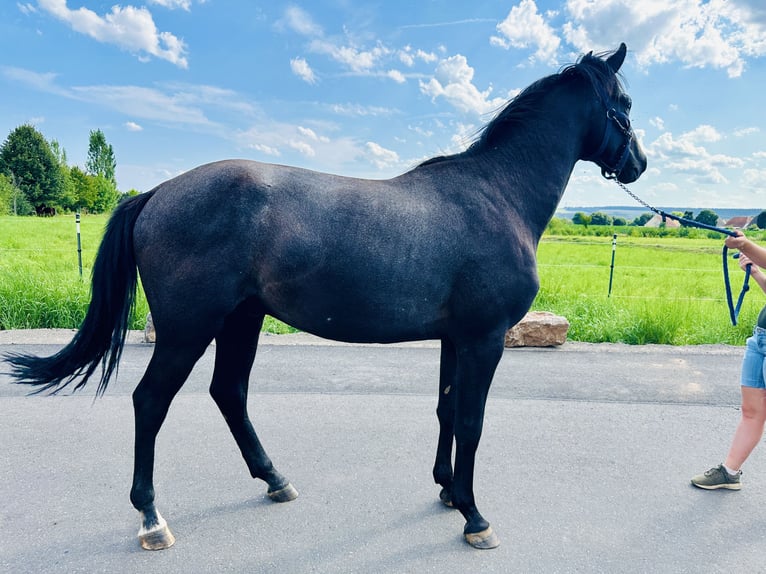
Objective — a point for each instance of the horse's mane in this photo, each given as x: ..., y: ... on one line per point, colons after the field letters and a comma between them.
x: 516, y: 111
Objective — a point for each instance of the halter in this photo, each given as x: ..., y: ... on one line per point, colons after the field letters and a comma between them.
x: 733, y: 309
x: 614, y: 121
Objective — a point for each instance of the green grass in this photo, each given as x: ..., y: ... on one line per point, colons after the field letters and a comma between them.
x: 666, y: 290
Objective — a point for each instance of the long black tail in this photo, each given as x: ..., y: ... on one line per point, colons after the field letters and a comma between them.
x: 102, y: 333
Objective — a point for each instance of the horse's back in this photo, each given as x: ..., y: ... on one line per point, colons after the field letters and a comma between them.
x: 345, y: 258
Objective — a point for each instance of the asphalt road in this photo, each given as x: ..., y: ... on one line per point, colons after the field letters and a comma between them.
x: 584, y: 466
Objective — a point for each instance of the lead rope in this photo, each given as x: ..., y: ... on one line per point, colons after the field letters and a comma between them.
x: 733, y: 309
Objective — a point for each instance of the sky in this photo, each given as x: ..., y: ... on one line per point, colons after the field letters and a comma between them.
x: 371, y: 88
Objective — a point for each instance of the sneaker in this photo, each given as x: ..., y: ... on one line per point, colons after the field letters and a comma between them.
x: 718, y: 477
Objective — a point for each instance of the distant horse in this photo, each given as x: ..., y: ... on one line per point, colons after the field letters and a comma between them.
x: 445, y: 251
x: 45, y: 211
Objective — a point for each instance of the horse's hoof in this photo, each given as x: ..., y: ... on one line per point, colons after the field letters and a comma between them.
x: 285, y: 494
x: 157, y: 538
x: 446, y: 498
x: 483, y: 540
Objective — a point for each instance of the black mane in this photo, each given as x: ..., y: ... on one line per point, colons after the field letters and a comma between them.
x: 592, y: 67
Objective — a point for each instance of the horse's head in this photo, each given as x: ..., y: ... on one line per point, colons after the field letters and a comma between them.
x: 615, y: 148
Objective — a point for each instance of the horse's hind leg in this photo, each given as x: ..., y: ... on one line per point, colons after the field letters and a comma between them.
x: 167, y: 371
x: 445, y: 412
x: 235, y: 351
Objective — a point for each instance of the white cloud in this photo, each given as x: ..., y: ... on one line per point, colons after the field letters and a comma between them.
x: 173, y: 4
x: 351, y: 57
x: 658, y: 123
x: 381, y: 157
x: 717, y: 33
x: 745, y: 132
x: 312, y: 135
x: 133, y: 127
x: 302, y: 147
x: 129, y: 28
x: 453, y: 80
x: 301, y: 22
x: 268, y: 150
x: 409, y: 57
x: 26, y: 8
x: 396, y: 76
x: 524, y: 27
x: 686, y: 155
x: 301, y: 68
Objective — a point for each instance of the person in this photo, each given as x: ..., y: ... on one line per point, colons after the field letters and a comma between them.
x: 753, y: 415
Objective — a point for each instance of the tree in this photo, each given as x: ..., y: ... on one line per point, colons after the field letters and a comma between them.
x: 641, y: 220
x: 619, y: 221
x: 27, y: 157
x: 106, y: 195
x: 101, y: 157
x: 707, y: 217
x: 600, y: 218
x: 580, y: 218
x: 760, y: 221
x: 85, y: 191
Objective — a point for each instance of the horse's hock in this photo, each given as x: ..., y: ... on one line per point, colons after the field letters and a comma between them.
x: 538, y: 329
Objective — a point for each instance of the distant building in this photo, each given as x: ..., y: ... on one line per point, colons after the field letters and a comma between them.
x: 739, y: 222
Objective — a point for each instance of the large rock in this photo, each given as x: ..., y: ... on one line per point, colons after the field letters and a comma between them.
x: 538, y: 329
x: 149, y: 334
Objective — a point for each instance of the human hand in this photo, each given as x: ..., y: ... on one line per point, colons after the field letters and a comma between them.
x: 737, y: 241
x: 744, y: 261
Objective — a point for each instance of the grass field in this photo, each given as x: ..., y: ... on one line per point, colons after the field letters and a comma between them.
x: 665, y: 290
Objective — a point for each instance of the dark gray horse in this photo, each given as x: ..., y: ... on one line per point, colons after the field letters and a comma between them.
x: 445, y: 251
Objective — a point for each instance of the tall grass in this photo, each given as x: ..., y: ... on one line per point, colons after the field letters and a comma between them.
x: 666, y: 289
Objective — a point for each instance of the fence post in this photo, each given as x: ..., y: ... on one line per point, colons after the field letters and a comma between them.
x: 79, y: 245
x: 611, y: 267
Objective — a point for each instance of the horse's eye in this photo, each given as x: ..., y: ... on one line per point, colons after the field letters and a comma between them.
x: 627, y: 102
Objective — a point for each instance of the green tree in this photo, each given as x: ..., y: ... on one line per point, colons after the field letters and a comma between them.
x: 621, y: 221
x: 707, y: 217
x: 106, y: 194
x: 27, y: 157
x: 600, y: 218
x: 580, y: 218
x: 68, y: 197
x: 85, y: 191
x: 641, y: 220
x: 101, y: 157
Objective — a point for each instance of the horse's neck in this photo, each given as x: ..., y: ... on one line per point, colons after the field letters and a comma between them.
x: 531, y: 164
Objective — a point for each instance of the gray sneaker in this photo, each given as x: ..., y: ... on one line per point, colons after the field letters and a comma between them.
x: 718, y: 477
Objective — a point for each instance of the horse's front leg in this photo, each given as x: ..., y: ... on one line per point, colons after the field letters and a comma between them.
x: 445, y: 412
x: 476, y: 364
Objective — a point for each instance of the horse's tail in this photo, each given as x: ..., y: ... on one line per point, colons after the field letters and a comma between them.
x: 102, y: 334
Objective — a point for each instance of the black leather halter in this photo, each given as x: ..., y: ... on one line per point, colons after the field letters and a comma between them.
x: 611, y: 165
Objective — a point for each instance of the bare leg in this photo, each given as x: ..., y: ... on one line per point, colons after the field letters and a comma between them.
x: 235, y: 351
x: 750, y: 428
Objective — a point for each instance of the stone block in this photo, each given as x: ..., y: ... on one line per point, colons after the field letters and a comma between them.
x: 538, y: 329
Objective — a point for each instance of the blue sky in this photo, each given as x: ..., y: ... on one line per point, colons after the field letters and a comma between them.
x: 369, y: 89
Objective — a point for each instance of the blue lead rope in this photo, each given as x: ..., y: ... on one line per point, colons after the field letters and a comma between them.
x: 733, y: 309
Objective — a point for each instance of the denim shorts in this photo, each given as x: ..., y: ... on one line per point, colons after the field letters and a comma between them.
x: 754, y: 361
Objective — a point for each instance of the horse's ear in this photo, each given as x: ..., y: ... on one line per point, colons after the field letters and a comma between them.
x: 615, y: 60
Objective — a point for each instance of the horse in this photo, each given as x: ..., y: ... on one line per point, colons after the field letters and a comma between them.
x: 445, y: 251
